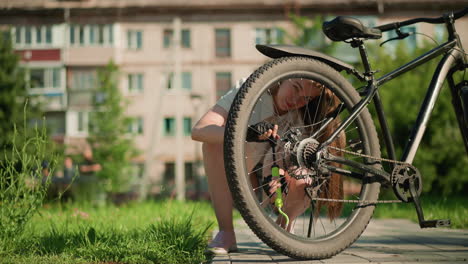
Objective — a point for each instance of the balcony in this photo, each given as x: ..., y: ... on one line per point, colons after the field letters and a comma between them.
x: 79, y: 99
x: 50, y: 101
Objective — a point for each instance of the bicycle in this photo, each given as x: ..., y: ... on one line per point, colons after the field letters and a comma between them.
x: 334, y: 144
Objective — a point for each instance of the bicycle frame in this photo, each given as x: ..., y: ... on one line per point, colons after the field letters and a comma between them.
x: 453, y: 60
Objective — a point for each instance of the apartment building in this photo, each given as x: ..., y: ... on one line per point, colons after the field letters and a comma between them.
x: 64, y: 42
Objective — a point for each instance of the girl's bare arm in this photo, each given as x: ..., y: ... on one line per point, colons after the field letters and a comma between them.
x: 210, y: 128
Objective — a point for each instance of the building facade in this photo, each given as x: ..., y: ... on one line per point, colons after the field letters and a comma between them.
x: 62, y: 43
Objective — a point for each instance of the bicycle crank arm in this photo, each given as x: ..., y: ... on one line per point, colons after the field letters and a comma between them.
x: 417, y: 204
x: 382, y: 176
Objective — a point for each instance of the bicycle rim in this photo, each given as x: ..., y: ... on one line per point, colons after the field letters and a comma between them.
x: 311, y: 222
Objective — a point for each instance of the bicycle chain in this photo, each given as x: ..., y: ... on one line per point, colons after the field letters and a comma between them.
x: 363, y: 202
x: 370, y: 157
x: 359, y: 202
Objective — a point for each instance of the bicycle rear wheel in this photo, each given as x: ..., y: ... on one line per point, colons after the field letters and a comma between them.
x: 317, y: 229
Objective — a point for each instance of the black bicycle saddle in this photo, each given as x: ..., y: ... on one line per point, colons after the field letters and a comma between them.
x: 342, y: 28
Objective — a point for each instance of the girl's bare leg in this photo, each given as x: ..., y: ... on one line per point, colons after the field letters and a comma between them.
x: 220, y: 195
x: 296, y: 201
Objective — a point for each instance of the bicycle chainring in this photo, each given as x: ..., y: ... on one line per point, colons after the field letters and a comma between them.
x: 402, y: 175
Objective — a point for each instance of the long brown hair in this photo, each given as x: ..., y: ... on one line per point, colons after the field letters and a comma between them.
x: 316, y: 110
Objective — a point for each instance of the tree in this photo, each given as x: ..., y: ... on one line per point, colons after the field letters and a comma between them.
x: 27, y: 155
x: 308, y: 34
x: 13, y: 91
x: 441, y: 158
x: 112, y: 146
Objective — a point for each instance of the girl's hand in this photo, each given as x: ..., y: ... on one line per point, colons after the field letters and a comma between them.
x: 270, y: 133
x: 261, y: 132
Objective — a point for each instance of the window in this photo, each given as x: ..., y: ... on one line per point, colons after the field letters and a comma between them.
x: 189, y: 177
x: 136, y: 126
x: 268, y: 36
x: 93, y: 35
x: 170, y: 80
x: 169, y: 126
x: 134, y: 39
x: 83, y: 80
x: 81, y: 35
x: 72, y: 34
x: 185, y: 38
x: 187, y: 126
x: 168, y: 37
x: 28, y: 35
x: 40, y: 78
x: 223, y: 42
x: 135, y: 83
x: 186, y: 80
x: 33, y: 35
x: 169, y: 172
x: 48, y: 34
x: 223, y: 83
x: 38, y: 36
x: 55, y: 122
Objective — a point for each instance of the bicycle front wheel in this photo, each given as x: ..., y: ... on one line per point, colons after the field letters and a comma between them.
x: 307, y: 99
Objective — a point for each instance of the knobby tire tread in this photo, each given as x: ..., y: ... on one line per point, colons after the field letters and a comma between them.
x: 235, y: 185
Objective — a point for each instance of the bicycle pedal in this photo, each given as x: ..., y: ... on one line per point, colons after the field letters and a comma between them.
x: 435, y: 223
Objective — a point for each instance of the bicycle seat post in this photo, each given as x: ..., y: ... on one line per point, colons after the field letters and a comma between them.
x: 368, y: 73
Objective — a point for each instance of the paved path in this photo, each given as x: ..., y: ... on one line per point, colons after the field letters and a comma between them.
x: 384, y: 241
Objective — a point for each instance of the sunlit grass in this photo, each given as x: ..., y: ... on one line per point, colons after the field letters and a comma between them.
x: 434, y: 207
x: 151, y: 232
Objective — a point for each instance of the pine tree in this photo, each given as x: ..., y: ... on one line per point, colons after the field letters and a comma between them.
x: 112, y: 146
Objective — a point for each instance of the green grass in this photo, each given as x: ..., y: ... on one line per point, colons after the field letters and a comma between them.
x: 151, y: 232
x: 434, y: 207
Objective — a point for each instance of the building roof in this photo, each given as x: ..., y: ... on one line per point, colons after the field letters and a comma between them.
x: 101, y: 11
x: 207, y: 4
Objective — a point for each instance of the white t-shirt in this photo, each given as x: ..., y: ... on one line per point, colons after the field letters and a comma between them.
x: 263, y: 110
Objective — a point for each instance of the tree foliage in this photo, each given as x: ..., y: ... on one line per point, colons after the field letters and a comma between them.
x: 112, y: 146
x: 13, y: 92
x: 308, y: 34
x: 18, y: 116
x: 441, y: 158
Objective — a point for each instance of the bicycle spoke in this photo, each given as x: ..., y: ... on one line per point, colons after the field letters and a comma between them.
x: 309, y: 218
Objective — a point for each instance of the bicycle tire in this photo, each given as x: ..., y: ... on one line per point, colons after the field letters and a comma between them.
x: 245, y: 199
